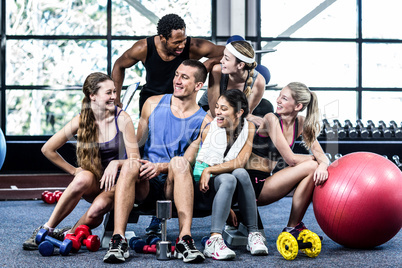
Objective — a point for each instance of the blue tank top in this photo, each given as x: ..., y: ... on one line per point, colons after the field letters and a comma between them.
x: 115, y: 148
x: 264, y: 147
x: 169, y: 136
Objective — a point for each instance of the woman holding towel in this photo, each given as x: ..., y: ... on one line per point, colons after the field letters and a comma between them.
x: 225, y: 146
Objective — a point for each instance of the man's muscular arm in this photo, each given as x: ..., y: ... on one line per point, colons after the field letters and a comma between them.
x: 138, y: 52
x: 203, y: 48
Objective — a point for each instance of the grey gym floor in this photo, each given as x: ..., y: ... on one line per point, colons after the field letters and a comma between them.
x: 20, y: 218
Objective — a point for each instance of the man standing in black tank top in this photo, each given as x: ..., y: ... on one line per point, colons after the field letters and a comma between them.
x: 161, y: 55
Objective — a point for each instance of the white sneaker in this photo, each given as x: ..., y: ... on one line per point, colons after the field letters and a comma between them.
x: 256, y: 244
x: 216, y: 248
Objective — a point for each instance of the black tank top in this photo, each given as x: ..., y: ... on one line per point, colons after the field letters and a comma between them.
x: 264, y: 147
x: 160, y: 73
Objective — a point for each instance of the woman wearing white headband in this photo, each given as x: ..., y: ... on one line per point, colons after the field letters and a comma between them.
x: 236, y: 71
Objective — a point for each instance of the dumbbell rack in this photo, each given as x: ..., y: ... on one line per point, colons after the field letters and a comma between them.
x: 333, y: 143
x: 381, y: 139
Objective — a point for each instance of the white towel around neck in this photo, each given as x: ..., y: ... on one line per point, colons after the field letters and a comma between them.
x: 215, y: 143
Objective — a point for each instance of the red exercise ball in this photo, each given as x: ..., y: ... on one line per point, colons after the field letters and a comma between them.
x: 360, y: 205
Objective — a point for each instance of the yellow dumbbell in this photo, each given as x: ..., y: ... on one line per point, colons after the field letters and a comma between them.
x: 307, y: 241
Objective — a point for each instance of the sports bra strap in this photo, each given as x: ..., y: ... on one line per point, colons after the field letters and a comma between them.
x: 115, y: 118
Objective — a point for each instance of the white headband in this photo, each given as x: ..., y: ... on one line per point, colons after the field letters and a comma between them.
x: 238, y: 55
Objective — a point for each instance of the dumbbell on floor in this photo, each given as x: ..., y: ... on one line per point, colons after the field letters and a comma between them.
x: 152, y: 240
x: 83, y: 236
x: 138, y: 244
x: 164, y: 247
x: 152, y: 249
x: 57, y: 195
x: 92, y: 242
x: 307, y: 241
x: 204, y: 240
x: 64, y: 246
x: 50, y: 198
x: 46, y: 248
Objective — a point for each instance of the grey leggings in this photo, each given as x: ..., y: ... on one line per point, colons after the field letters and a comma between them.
x: 225, y: 186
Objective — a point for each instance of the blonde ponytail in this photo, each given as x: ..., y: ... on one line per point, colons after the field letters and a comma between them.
x: 311, y: 127
x: 247, y: 50
x: 248, y: 89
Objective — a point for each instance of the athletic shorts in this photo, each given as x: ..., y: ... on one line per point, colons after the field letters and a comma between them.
x: 156, y: 191
x: 257, y: 178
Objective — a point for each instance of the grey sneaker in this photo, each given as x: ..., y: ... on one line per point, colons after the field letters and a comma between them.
x: 30, y: 243
x: 118, y: 250
x: 60, y: 233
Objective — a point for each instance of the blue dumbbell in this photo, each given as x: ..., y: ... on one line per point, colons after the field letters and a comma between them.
x: 152, y: 240
x: 46, y: 248
x: 137, y: 244
x: 64, y: 246
x: 132, y: 240
x: 204, y: 240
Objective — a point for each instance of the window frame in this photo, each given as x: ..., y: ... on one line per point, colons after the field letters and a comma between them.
x: 108, y: 37
x: 359, y: 41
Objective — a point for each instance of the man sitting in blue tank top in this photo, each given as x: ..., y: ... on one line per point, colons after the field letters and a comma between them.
x: 168, y: 125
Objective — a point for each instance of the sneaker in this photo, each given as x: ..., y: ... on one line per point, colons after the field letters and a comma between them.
x: 256, y: 244
x: 216, y: 249
x: 295, y: 231
x: 154, y: 227
x: 30, y: 243
x: 60, y: 233
x: 118, y: 250
x: 185, y: 249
